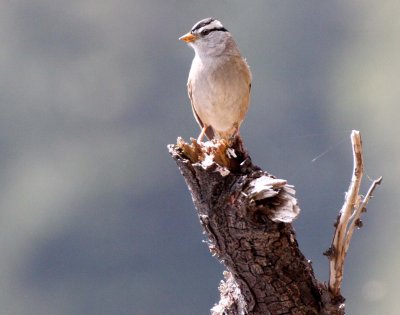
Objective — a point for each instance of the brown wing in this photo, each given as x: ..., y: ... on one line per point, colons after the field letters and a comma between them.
x: 209, y: 131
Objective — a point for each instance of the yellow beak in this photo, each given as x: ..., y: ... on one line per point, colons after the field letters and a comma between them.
x: 188, y: 38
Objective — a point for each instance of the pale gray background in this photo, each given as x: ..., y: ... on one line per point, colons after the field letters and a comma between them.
x: 94, y: 215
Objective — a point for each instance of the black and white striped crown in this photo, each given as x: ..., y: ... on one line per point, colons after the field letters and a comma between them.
x: 207, y: 26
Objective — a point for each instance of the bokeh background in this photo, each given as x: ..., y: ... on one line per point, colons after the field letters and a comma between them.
x: 94, y: 215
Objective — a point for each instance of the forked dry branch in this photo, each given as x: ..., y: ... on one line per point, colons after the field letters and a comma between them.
x: 349, y: 216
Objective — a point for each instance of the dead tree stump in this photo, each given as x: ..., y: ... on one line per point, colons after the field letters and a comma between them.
x: 246, y: 214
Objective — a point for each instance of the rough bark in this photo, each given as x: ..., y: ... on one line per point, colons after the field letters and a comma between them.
x: 246, y: 215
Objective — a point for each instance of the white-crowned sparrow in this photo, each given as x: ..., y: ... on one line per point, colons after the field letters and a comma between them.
x: 219, y: 80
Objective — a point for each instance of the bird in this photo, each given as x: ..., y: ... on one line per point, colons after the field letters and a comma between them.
x: 219, y: 81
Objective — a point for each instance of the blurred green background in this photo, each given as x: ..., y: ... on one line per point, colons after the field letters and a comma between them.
x: 94, y: 215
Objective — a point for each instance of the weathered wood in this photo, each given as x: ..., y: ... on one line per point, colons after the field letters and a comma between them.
x: 349, y: 217
x: 246, y: 214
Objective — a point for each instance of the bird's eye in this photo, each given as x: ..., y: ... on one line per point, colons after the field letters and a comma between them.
x: 205, y: 32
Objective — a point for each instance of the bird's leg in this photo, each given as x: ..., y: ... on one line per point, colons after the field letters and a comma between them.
x: 202, y: 133
x: 235, y: 134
